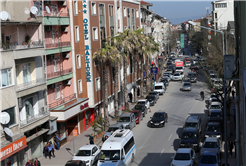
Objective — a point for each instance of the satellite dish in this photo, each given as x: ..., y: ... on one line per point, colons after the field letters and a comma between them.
x: 4, y: 118
x: 34, y: 10
x: 47, y: 9
x: 8, y: 131
x: 4, y: 15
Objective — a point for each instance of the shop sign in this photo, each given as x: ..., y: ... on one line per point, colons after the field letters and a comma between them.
x: 53, y: 127
x: 13, y: 148
x: 84, y: 106
x: 154, y: 70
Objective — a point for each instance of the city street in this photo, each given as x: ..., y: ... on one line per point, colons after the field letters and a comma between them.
x: 156, y: 146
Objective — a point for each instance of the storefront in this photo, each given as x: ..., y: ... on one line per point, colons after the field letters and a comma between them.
x: 13, y: 153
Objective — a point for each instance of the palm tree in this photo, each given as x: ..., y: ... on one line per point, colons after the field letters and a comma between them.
x: 106, y: 55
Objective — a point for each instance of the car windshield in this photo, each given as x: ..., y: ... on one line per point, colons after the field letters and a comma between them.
x: 182, y: 156
x: 179, y: 68
x: 215, y: 107
x: 139, y: 107
x: 150, y: 97
x: 189, y: 135
x: 210, y: 145
x: 141, y: 102
x: 124, y: 119
x: 83, y: 153
x: 164, y: 79
x: 158, y: 87
x: 213, y: 76
x: 206, y: 159
x: 169, y: 63
x: 176, y: 74
x: 152, y: 93
x: 112, y: 129
x: 109, y: 155
x: 214, y: 128
x: 191, y: 125
x: 186, y: 84
x: 158, y: 115
x: 191, y: 75
x: 215, y: 114
x: 187, y: 62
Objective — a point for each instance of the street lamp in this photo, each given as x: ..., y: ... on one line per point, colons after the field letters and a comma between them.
x: 225, y: 123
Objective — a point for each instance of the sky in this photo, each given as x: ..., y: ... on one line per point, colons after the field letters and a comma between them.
x: 180, y: 11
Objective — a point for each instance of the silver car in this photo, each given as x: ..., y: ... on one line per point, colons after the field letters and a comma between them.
x: 127, y: 120
x: 184, y: 156
x: 112, y: 129
x: 186, y: 86
x: 211, y: 144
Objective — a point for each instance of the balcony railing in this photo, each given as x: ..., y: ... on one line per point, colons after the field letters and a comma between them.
x: 16, y: 46
x: 34, y: 118
x: 30, y: 84
x: 60, y: 44
x: 62, y: 101
x: 58, y: 73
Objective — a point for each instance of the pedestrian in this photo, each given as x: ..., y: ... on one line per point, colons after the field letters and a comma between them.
x: 53, y: 149
x: 45, y: 150
x: 37, y: 162
x: 49, y: 150
x: 105, y: 138
x: 235, y: 144
x: 231, y: 146
x: 233, y: 94
x: 91, y: 139
x: 57, y: 141
x: 29, y: 163
x: 181, y: 77
x: 130, y: 97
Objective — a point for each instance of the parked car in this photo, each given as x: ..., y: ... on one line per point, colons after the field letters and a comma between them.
x: 144, y: 101
x: 152, y: 99
x: 111, y: 129
x: 190, y: 138
x: 142, y: 108
x: 211, y: 144
x: 159, y: 119
x: 138, y: 115
x: 87, y: 153
x: 193, y: 122
x: 75, y: 163
x: 214, y: 106
x: 195, y: 69
x: 160, y: 88
x: 176, y: 77
x: 191, y: 76
x: 184, y: 156
x: 165, y: 80
x: 187, y: 86
x: 209, y: 158
x: 168, y: 75
x: 155, y: 94
x: 195, y: 61
x: 213, y: 96
x: 128, y: 120
x: 213, y: 130
x: 187, y: 63
x: 216, y: 116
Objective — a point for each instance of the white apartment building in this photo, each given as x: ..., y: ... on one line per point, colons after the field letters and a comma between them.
x: 223, y: 11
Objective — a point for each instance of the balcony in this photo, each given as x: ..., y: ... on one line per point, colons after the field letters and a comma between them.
x: 31, y: 84
x: 32, y: 119
x: 56, y: 14
x: 59, y: 44
x: 62, y: 101
x: 15, y: 46
x: 59, y: 73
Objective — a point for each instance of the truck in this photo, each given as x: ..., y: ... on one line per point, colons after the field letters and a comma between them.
x: 179, y: 66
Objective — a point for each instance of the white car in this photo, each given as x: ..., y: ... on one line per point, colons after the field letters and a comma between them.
x: 184, y: 156
x: 87, y: 153
x: 176, y: 77
x: 187, y: 64
x: 145, y: 102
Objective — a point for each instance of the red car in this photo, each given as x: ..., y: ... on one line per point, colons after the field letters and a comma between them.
x: 138, y: 115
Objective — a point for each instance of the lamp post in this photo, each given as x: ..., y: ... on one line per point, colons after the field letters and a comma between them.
x: 225, y: 122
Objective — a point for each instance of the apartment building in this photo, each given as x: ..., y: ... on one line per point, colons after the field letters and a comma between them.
x: 146, y: 17
x: 23, y: 83
x: 222, y: 11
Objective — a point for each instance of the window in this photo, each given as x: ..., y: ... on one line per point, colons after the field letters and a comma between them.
x: 125, y: 27
x: 97, y: 62
x: 93, y: 8
x: 128, y: 70
x: 112, y: 32
x: 11, y: 112
x: 80, y: 86
x: 75, y: 7
x: 26, y: 68
x: 58, y: 91
x: 29, y: 108
x: 111, y: 10
x: 133, y: 13
x: 221, y: 5
x: 215, y: 15
x: 56, y: 64
x: 78, y: 61
x: 53, y: 37
x: 137, y: 27
x: 6, y: 77
x: 98, y: 84
x: 39, y: 6
x: 137, y: 14
x: 128, y: 146
x: 101, y: 9
x: 95, y: 33
x: 124, y: 11
x: 77, y: 33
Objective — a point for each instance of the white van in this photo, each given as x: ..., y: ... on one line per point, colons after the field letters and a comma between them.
x: 118, y: 149
x: 160, y: 88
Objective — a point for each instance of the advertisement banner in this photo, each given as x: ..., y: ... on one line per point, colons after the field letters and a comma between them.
x: 182, y: 40
x: 154, y: 70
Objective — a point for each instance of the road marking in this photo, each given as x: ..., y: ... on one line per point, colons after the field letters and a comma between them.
x: 170, y: 137
x: 162, y: 151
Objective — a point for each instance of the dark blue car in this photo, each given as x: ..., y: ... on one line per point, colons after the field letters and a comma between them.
x: 209, y: 158
x: 213, y: 130
x: 190, y: 138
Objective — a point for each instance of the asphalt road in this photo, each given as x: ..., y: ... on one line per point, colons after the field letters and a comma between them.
x: 156, y: 146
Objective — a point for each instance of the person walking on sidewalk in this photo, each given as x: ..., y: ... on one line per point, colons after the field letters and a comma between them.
x: 53, y: 149
x: 231, y: 146
x: 37, y: 162
x: 91, y: 139
x: 50, y: 150
x: 57, y: 140
x: 45, y: 150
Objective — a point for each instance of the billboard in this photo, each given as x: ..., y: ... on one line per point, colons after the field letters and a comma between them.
x: 182, y: 40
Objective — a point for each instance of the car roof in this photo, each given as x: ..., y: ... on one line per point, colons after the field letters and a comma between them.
x: 211, y: 139
x: 115, y: 125
x: 159, y: 112
x: 213, y: 123
x: 142, y: 100
x: 184, y: 150
x: 192, y: 73
x: 192, y: 119
x: 216, y: 110
x: 86, y: 147
x: 207, y: 152
x: 215, y: 103
x: 153, y: 92
x: 125, y: 114
x: 177, y: 73
x: 73, y: 162
x: 190, y: 130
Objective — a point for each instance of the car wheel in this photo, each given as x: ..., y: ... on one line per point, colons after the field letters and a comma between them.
x: 132, y: 158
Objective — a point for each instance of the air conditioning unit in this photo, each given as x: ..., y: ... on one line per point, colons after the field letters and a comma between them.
x: 47, y: 2
x: 63, y: 3
x: 48, y: 28
x: 52, y: 86
x: 64, y: 29
x: 65, y: 55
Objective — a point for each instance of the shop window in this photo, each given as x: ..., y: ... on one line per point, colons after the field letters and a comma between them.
x: 11, y: 112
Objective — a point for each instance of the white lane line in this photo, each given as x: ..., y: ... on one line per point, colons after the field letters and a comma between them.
x: 162, y: 151
x: 170, y: 137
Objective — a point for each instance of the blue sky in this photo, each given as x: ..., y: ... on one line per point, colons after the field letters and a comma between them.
x: 180, y: 11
